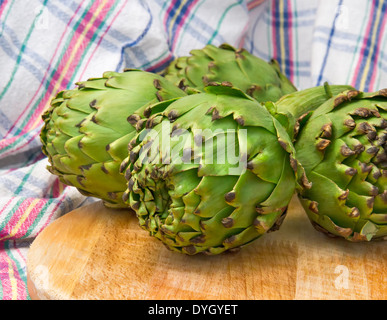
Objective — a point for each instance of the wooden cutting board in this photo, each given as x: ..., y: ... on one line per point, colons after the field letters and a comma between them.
x: 99, y: 253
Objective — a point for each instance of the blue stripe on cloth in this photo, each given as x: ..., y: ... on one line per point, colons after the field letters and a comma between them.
x: 331, y: 34
x: 14, y: 55
x: 138, y: 39
x: 265, y: 56
x: 204, y: 27
x: 171, y: 14
x: 29, y: 52
x: 337, y: 45
x: 343, y: 35
x: 305, y: 21
x: 276, y: 21
x: 178, y: 22
x: 5, y: 122
x: 32, y: 189
x: 24, y: 45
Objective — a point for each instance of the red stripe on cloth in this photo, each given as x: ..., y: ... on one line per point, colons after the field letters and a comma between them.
x: 242, y: 40
x: 253, y: 4
x: 21, y: 277
x: 2, y: 7
x: 182, y: 21
x: 289, y: 30
x: 273, y: 30
x: 4, y: 273
x: 14, y: 288
x: 99, y: 42
x: 56, y: 188
x: 159, y: 64
x: 364, y: 46
x: 4, y: 144
x: 379, y: 43
x: 171, y: 6
x: 18, y: 214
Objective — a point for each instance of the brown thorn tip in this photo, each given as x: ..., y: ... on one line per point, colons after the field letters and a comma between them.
x: 283, y: 144
x: 159, y: 97
x: 344, y: 196
x: 346, y: 151
x: 230, y: 196
x: 172, y: 115
x: 260, y: 210
x: 104, y: 170
x: 293, y: 163
x: 365, y: 128
x: 190, y: 249
x: 229, y: 240
x: 350, y: 123
x: 355, y: 213
x: 94, y: 119
x: 240, y: 121
x: 136, y: 205
x: 198, y: 239
x: 305, y: 182
x: 125, y: 196
x: 227, y: 84
x: 157, y: 84
x: 383, y: 196
x: 339, y: 100
x: 326, y: 130
x: 128, y: 175
x: 350, y: 171
x: 383, y: 92
x: 313, y: 206
x: 215, y: 114
x: 133, y: 119
x: 352, y: 93
x: 323, y: 144
x: 147, y: 112
x: 93, y: 103
x: 227, y: 222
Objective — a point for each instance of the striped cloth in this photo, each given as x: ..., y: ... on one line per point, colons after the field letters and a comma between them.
x: 48, y: 45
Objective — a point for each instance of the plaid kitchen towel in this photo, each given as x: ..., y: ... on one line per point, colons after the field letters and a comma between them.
x: 48, y: 45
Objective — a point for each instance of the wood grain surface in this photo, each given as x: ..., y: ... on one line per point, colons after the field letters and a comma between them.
x: 99, y: 253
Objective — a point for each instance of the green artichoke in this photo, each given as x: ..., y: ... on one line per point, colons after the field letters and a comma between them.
x: 261, y: 80
x: 86, y: 131
x: 293, y: 109
x: 211, y: 171
x: 343, y: 149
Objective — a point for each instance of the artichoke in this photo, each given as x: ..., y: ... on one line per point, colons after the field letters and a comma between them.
x: 293, y: 109
x: 261, y: 80
x: 86, y: 131
x: 342, y: 147
x: 210, y: 172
